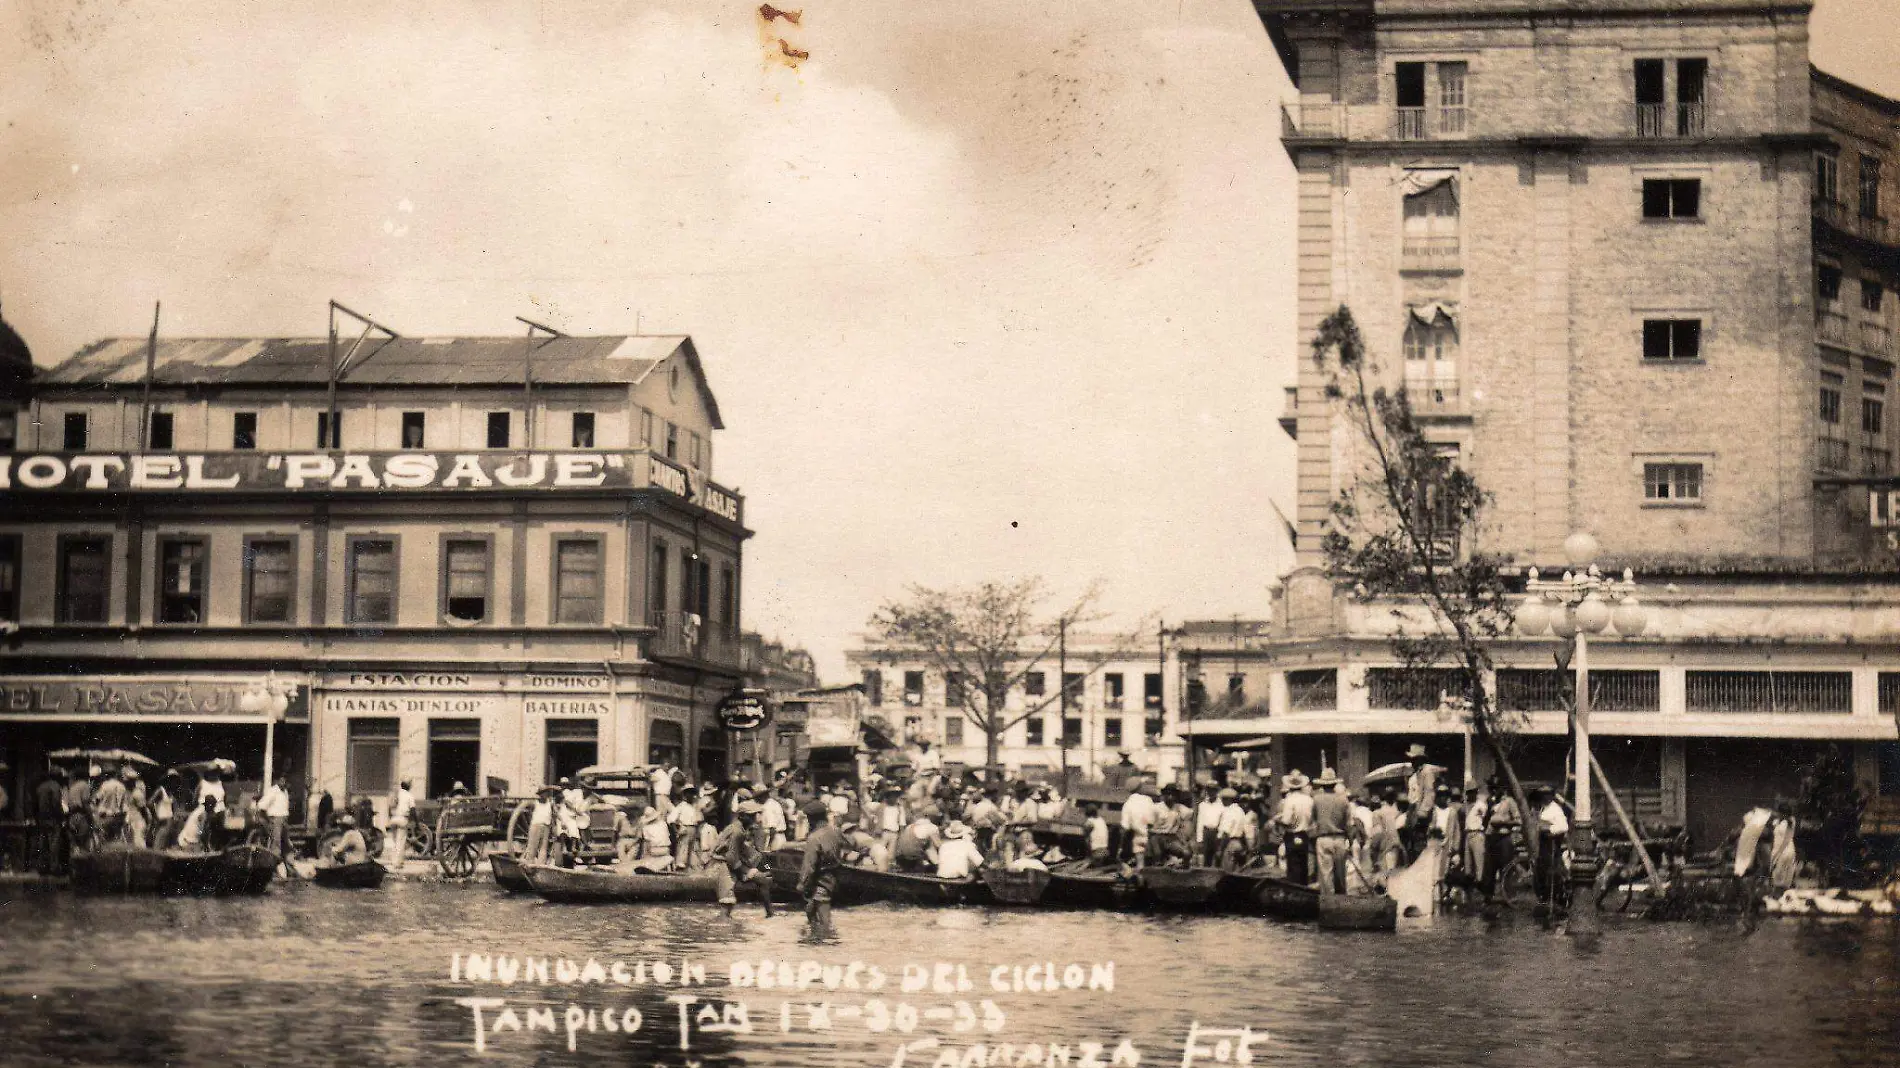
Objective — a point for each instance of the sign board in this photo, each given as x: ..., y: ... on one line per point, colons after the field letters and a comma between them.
x: 831, y: 723
x: 134, y: 697
x: 744, y: 710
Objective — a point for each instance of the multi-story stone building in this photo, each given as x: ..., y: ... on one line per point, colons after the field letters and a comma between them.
x: 485, y: 560
x: 1116, y: 701
x: 1589, y: 241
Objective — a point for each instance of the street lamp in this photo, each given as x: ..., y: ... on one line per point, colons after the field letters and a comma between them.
x: 270, y: 697
x: 1582, y: 603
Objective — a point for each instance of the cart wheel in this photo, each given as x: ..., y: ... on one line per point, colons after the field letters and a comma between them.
x: 373, y: 840
x: 421, y: 840
x: 258, y: 836
x: 518, y: 827
x: 458, y: 860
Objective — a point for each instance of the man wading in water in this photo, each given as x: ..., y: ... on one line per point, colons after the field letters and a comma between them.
x: 818, y: 877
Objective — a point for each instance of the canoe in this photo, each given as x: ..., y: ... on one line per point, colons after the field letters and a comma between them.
x: 364, y: 875
x: 1024, y: 887
x: 241, y: 869
x: 1181, y: 888
x: 1258, y: 894
x: 1081, y: 889
x: 578, y: 885
x: 508, y: 873
x: 858, y: 886
x: 118, y: 870
x: 1358, y: 912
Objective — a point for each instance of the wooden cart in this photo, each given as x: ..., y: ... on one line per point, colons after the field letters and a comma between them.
x: 467, y: 825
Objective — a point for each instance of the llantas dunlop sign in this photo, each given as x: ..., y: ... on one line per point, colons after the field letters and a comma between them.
x: 239, y: 472
x: 744, y: 710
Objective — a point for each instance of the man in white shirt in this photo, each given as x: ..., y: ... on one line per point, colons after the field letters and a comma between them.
x: 685, y: 820
x: 660, y: 783
x: 1207, y: 816
x: 957, y: 857
x: 772, y: 822
x: 540, y: 826
x: 1232, y: 832
x: 1477, y: 810
x: 399, y: 809
x: 1295, y: 818
x: 1553, y: 826
x: 274, y: 806
x: 1138, y: 815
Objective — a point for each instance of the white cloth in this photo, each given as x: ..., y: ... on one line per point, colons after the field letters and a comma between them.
x: 838, y: 805
x: 1553, y: 820
x: 405, y: 802
x: 1445, y: 821
x: 542, y: 815
x: 1234, y: 822
x: 1475, y: 814
x: 1754, y: 822
x: 1098, y: 834
x: 958, y: 858
x: 660, y: 781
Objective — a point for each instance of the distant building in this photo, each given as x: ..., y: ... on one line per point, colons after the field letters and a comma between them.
x: 1116, y: 702
x: 1633, y: 265
x: 485, y: 560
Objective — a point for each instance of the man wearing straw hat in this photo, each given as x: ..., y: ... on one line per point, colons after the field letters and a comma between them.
x: 1332, y: 823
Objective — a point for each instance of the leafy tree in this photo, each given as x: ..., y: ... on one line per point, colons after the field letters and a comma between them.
x: 986, y: 638
x: 1400, y: 537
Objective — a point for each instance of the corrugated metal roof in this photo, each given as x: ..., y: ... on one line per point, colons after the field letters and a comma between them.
x: 378, y: 361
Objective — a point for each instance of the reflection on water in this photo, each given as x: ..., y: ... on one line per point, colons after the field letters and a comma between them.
x: 308, y: 976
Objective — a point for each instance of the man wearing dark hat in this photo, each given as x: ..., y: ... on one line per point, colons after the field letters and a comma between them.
x: 1553, y: 828
x: 818, y: 876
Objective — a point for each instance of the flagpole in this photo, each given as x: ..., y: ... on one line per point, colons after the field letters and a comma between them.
x: 151, y: 366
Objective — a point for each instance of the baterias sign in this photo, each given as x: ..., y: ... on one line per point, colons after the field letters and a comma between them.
x: 331, y: 471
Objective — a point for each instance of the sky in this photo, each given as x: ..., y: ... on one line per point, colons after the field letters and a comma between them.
x: 987, y: 289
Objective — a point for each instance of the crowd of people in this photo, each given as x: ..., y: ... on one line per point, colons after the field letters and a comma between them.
x: 116, y: 805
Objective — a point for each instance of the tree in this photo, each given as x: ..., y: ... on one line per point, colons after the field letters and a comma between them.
x: 1399, y: 536
x: 984, y: 640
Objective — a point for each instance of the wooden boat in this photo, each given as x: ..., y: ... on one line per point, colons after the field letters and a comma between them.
x: 364, y: 875
x: 1358, y: 912
x: 1079, y: 887
x: 579, y: 885
x: 787, y: 862
x: 859, y: 886
x: 118, y: 870
x: 508, y: 873
x: 1181, y: 888
x: 1260, y: 894
x: 1024, y: 887
x: 241, y: 869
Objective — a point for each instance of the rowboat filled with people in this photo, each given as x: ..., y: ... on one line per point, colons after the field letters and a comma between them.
x: 599, y: 886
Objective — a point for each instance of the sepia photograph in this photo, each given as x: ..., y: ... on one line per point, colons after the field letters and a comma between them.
x: 1007, y: 534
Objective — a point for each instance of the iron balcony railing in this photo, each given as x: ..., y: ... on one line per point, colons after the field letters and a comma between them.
x: 1435, y: 396
x: 1671, y: 120
x: 1875, y: 461
x: 1877, y: 339
x: 687, y: 635
x: 1833, y: 328
x: 1321, y: 120
x: 1422, y: 124
x: 1429, y: 253
x: 1316, y: 689
x: 1831, y: 453
x: 1770, y: 691
x: 1843, y: 216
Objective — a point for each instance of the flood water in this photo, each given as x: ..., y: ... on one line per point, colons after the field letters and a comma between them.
x: 307, y: 976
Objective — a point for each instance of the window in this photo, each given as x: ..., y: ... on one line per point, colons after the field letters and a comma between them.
x: 1072, y: 688
x: 1827, y: 177
x: 1827, y: 285
x: 672, y: 442
x: 1872, y: 295
x: 577, y: 586
x: 1830, y: 398
x: 729, y: 599
x: 1032, y: 730
x: 1672, y: 482
x: 85, y: 569
x: 1412, y: 688
x: 1869, y: 187
x: 1236, y: 690
x: 646, y: 428
x: 657, y: 591
x: 692, y: 448
x: 1429, y: 222
x: 1417, y: 117
x: 329, y: 430
x: 1431, y: 361
x: 1873, y: 412
x: 160, y: 435
x: 372, y: 762
x: 1769, y: 691
x: 666, y: 742
x: 1548, y: 690
x: 583, y: 437
x: 913, y: 688
x: 497, y: 430
x: 270, y: 580
x: 181, y: 580
x: 244, y: 430
x: 695, y: 583
x: 1655, y: 117
x: 1438, y: 506
x: 1313, y: 688
x: 1033, y: 685
x: 673, y: 381
x: 1112, y: 732
x: 413, y: 432
x: 1071, y: 731
x: 371, y: 581
x: 75, y: 432
x: 1672, y: 198
x: 1451, y: 98
x: 953, y: 730
x: 873, y: 686
x: 1672, y: 339
x: 953, y: 688
x: 1151, y: 690
x: 465, y: 579
x: 1112, y: 690
x: 10, y: 577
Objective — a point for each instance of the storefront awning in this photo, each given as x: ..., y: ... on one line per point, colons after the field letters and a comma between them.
x: 1250, y: 743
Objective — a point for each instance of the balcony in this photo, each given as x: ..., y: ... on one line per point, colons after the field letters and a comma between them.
x: 1290, y: 413
x: 1671, y: 120
x: 1833, y: 328
x: 1877, y: 338
x: 1426, y: 124
x: 685, y: 636
x: 1435, y: 397
x: 1830, y: 454
x: 1317, y: 120
x: 1436, y: 253
x: 1875, y: 462
x: 1842, y: 216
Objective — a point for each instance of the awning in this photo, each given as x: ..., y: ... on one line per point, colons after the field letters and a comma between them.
x: 1430, y: 313
x: 1425, y: 179
x: 1250, y: 743
x: 1224, y: 730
